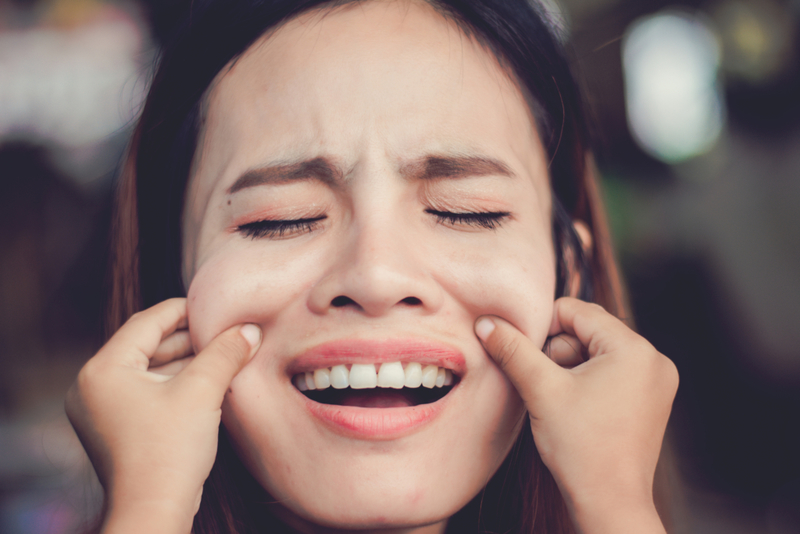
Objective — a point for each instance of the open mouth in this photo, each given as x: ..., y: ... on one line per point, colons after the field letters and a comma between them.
x: 392, y: 385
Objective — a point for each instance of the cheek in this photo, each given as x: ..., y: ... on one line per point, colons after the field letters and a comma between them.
x: 516, y: 283
x: 245, y: 286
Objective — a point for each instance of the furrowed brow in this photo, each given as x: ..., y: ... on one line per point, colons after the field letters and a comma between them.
x: 433, y: 167
x: 319, y: 169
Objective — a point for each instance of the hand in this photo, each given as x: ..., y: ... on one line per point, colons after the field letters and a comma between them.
x: 598, y: 403
x: 148, y: 413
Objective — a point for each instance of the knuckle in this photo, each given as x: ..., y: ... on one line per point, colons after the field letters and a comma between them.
x: 647, y: 348
x: 669, y: 372
x: 585, y: 315
x: 91, y: 384
x: 71, y: 403
x: 506, y: 350
x: 91, y: 373
x: 232, y: 346
x: 641, y: 346
x: 595, y: 308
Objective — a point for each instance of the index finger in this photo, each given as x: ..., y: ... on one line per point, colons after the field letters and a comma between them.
x: 596, y: 329
x: 139, y: 338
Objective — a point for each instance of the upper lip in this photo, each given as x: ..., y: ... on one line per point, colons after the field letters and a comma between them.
x: 347, y: 351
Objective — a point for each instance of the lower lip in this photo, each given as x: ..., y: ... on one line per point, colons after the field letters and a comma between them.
x: 375, y: 423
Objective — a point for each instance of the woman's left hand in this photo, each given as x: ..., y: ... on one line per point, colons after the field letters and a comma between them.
x: 598, y: 424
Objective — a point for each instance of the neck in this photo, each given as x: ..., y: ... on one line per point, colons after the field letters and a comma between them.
x: 296, y: 524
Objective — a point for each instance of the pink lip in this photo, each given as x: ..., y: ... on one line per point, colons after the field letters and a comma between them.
x: 377, y: 423
x: 379, y: 351
x: 374, y: 423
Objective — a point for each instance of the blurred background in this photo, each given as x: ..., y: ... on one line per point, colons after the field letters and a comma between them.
x: 696, y: 109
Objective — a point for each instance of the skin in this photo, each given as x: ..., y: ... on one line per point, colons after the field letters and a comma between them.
x: 374, y: 90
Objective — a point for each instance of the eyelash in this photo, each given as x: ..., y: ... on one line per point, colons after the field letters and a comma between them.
x: 482, y: 219
x: 278, y: 228
x: 271, y: 228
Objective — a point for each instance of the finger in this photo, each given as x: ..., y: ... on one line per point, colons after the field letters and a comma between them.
x: 565, y: 350
x: 139, y: 338
x: 215, y: 366
x: 170, y: 369
x: 175, y: 346
x: 529, y: 370
x: 596, y: 329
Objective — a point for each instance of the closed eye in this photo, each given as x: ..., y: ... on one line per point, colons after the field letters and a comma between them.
x: 481, y: 219
x: 276, y: 229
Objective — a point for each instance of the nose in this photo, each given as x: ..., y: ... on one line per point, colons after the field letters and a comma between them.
x: 378, y: 271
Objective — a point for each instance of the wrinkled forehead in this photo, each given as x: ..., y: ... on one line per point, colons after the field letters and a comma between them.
x: 388, y: 32
x: 338, y: 66
x: 391, y: 80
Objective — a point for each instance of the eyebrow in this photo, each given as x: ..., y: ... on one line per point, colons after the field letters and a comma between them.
x: 433, y: 167
x: 319, y: 169
x: 322, y: 170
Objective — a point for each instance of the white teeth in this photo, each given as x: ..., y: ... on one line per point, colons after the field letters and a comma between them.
x: 322, y: 378
x: 340, y: 377
x: 429, y: 376
x: 300, y: 382
x: 440, y: 375
x: 391, y: 375
x: 413, y: 375
x: 448, y: 377
x: 363, y: 376
x: 310, y: 381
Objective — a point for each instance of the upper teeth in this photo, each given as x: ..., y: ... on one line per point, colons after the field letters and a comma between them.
x: 365, y: 376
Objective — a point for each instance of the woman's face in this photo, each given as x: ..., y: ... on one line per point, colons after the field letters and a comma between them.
x: 369, y: 182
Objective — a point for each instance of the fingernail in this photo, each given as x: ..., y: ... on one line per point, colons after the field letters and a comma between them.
x: 252, y: 334
x: 484, y: 328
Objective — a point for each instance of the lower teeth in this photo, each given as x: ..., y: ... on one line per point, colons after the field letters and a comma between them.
x: 378, y: 398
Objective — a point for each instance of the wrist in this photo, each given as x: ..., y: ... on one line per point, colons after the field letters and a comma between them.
x: 156, y: 516
x: 611, y: 515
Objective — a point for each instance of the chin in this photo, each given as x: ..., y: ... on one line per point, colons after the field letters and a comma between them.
x: 372, y: 491
x: 393, y: 511
x: 373, y: 457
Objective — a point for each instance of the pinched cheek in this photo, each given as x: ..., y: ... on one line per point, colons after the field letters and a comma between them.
x: 223, y: 294
x: 521, y: 292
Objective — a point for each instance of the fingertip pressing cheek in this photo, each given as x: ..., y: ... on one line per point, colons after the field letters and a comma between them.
x: 515, y: 285
x: 215, y: 303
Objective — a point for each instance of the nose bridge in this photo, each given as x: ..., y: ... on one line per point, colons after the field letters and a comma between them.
x: 378, y: 243
x: 378, y: 268
x: 380, y: 271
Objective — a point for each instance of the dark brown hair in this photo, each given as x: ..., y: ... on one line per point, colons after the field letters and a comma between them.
x: 146, y: 244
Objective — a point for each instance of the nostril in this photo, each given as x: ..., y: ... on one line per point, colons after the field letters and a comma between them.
x: 341, y: 301
x: 411, y: 301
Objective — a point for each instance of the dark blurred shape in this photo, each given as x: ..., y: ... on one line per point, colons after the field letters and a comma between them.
x: 72, y: 76
x: 164, y: 16
x: 761, y: 62
x: 758, y: 38
x: 731, y: 425
x: 51, y: 268
x: 783, y: 513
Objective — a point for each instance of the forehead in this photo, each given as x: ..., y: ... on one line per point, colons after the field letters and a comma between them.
x: 394, y: 74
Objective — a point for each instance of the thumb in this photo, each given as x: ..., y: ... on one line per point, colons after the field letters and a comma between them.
x: 531, y: 372
x: 215, y: 366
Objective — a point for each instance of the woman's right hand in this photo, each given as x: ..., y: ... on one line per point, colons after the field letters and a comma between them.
x: 147, y: 412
